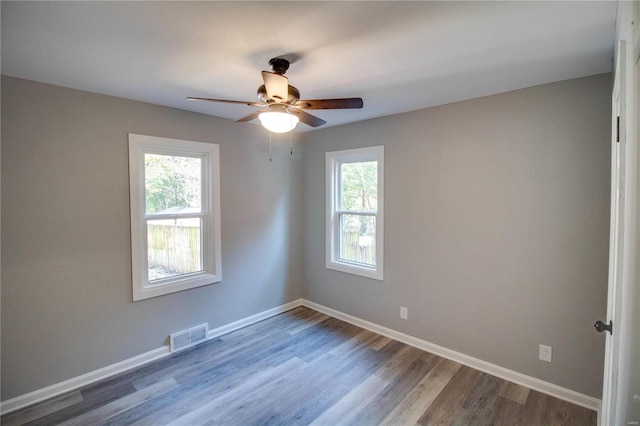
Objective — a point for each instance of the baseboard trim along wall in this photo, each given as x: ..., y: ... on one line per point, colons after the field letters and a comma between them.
x: 83, y: 380
x: 137, y: 361
x: 131, y: 363
x: 486, y: 367
x: 254, y: 318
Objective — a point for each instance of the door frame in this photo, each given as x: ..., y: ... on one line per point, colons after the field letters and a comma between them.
x: 616, y: 240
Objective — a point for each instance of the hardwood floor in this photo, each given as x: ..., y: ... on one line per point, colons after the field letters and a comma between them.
x: 298, y: 368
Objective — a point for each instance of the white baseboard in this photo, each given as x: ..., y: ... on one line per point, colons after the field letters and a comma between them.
x: 137, y: 361
x: 80, y: 381
x: 495, y: 370
x: 253, y: 319
x: 128, y: 364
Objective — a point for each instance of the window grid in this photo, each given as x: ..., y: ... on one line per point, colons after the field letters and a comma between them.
x: 174, y: 250
x: 365, y: 250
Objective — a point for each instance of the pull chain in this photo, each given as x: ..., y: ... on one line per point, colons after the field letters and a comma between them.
x: 291, y: 141
x: 269, y: 146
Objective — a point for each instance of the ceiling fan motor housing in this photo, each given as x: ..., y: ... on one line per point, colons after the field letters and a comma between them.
x: 293, y: 95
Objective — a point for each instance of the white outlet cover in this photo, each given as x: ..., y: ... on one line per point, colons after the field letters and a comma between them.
x: 545, y: 353
x: 403, y: 312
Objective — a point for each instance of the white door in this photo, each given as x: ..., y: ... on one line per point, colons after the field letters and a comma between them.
x: 616, y: 245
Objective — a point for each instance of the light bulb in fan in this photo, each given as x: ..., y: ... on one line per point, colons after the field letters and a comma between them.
x: 278, y: 119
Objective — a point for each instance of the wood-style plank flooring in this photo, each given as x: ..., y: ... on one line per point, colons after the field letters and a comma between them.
x: 299, y: 368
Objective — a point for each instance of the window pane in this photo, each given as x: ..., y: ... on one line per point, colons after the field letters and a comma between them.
x: 173, y: 247
x: 358, y: 238
x: 359, y: 185
x: 173, y: 184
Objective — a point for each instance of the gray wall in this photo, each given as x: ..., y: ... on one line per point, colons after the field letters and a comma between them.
x: 66, y: 271
x: 496, y: 227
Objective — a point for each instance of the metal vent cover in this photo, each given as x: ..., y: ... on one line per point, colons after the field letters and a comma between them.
x: 187, y: 338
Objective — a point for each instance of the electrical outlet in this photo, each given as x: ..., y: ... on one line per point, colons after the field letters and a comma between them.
x: 545, y: 353
x: 403, y: 312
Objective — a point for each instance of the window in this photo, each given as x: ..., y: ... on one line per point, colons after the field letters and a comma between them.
x: 355, y: 203
x: 175, y: 215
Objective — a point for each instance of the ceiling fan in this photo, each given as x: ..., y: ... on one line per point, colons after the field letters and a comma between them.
x: 284, y: 109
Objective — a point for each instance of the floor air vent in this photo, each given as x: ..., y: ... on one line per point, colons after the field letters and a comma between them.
x: 187, y: 338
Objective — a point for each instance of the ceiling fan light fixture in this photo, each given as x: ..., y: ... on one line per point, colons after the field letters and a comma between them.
x: 278, y: 96
x: 278, y: 120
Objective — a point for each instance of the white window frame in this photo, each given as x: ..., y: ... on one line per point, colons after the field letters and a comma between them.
x: 139, y: 145
x: 334, y: 160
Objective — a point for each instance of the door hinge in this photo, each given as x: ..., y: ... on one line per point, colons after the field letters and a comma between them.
x: 618, y: 129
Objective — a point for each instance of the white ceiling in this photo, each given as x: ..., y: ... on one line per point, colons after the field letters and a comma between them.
x: 397, y: 56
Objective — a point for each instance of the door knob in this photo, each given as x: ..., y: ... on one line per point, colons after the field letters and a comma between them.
x: 600, y: 326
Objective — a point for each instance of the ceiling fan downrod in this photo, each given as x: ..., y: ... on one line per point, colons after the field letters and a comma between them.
x: 279, y: 65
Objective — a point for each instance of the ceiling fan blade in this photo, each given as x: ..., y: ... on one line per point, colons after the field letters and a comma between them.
x: 343, y: 103
x: 249, y: 117
x: 308, y: 119
x: 277, y: 86
x: 227, y: 101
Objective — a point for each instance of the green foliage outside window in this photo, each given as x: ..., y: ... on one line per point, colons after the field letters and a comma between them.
x: 359, y: 186
x: 171, y: 181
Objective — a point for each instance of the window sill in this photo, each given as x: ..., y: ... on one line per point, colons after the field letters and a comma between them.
x: 152, y: 290
x: 350, y: 268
